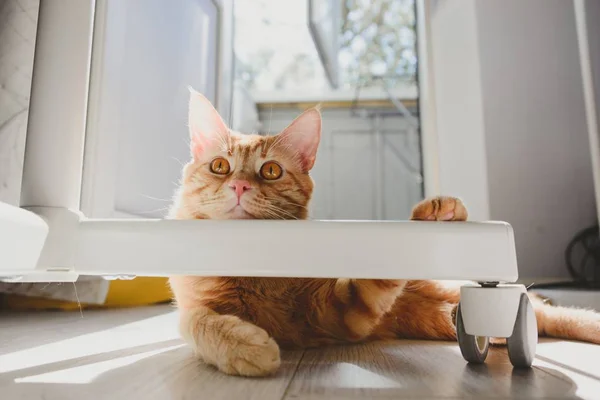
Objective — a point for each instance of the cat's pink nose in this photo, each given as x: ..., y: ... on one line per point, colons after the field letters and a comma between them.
x: 240, y: 186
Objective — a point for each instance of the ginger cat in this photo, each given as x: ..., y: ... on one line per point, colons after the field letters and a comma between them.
x: 238, y: 324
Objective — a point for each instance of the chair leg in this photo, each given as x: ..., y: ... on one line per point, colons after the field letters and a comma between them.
x: 22, y: 237
x: 53, y: 164
x: 54, y: 149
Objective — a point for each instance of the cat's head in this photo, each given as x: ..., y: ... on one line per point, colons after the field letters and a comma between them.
x: 236, y: 176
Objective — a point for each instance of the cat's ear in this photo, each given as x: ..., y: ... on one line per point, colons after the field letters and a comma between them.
x: 303, y: 136
x: 207, y: 128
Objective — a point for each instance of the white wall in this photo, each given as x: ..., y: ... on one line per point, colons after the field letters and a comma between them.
x: 455, y: 71
x: 509, y: 71
x: 592, y: 10
x: 347, y: 182
x: 540, y: 174
x: 592, y: 51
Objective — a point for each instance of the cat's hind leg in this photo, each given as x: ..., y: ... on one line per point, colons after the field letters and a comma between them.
x: 234, y: 346
x: 566, y: 322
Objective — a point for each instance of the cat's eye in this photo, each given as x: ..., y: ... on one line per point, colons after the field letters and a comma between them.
x: 271, y: 171
x: 220, y: 166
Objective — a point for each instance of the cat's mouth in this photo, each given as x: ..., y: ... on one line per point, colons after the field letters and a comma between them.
x: 238, y: 212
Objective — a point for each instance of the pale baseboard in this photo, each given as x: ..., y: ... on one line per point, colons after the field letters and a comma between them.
x: 565, y: 296
x: 572, y: 297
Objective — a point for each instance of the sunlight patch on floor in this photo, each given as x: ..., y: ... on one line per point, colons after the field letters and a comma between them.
x: 135, y: 334
x: 88, y: 373
x: 350, y: 376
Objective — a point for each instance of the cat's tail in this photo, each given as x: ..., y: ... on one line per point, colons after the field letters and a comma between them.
x: 565, y: 322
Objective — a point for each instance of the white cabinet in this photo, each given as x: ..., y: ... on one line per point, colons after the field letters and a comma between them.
x: 146, y: 53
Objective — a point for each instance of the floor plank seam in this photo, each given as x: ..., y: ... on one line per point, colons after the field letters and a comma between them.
x: 287, y: 388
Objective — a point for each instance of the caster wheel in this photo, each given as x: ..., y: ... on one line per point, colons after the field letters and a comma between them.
x: 474, y: 349
x: 523, y: 341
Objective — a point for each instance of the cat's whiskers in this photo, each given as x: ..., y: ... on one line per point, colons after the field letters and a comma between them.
x: 268, y: 214
x: 270, y: 118
x: 201, y: 203
x: 147, y: 212
x: 278, y: 139
x: 181, y: 163
x: 222, y: 141
x: 156, y: 198
x: 273, y: 214
x: 274, y: 208
x: 279, y: 200
x: 271, y: 209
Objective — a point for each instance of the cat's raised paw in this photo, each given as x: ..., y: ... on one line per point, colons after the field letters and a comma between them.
x: 440, y: 208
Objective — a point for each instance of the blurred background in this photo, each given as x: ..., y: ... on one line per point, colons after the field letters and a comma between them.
x: 481, y: 100
x: 358, y: 60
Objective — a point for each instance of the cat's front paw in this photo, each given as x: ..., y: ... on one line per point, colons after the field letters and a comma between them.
x: 440, y: 208
x: 248, y: 351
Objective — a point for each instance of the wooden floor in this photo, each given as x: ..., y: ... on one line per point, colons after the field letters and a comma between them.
x: 136, y: 355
